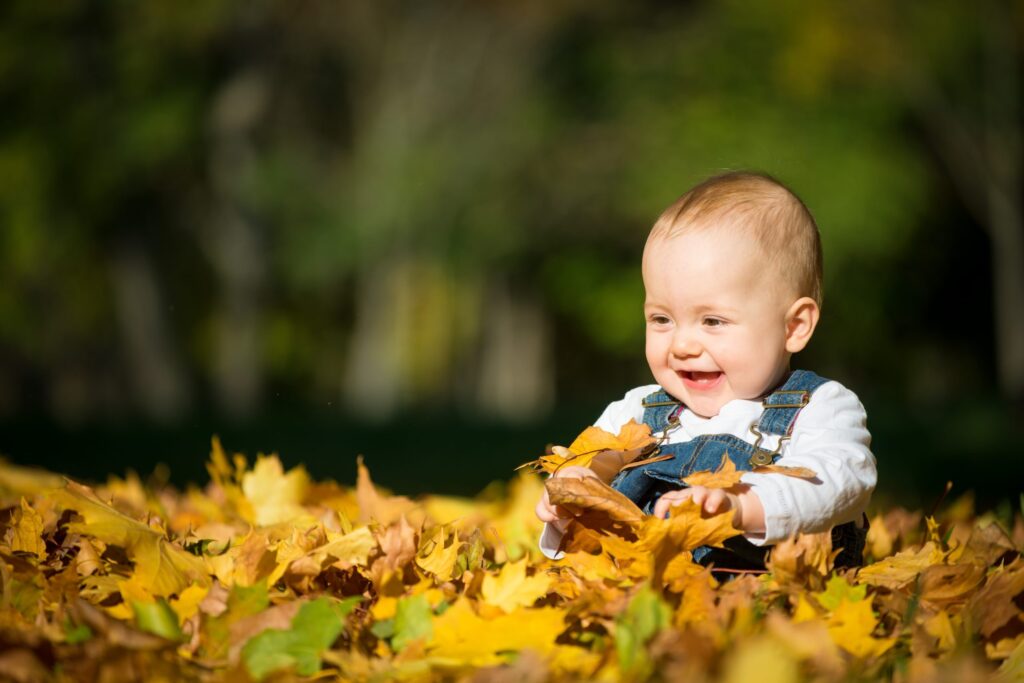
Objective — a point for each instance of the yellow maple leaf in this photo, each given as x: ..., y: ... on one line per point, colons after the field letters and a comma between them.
x: 186, y: 605
x: 686, y: 528
x: 512, y: 588
x: 163, y: 567
x: 462, y: 637
x: 27, y: 480
x: 592, y: 566
x: 851, y: 624
x: 351, y: 548
x: 26, y: 532
x: 275, y: 496
x: 760, y: 658
x: 440, y: 559
x: 516, y: 523
x: 902, y: 568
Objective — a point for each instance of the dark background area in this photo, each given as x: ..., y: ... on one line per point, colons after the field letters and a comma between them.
x: 412, y: 230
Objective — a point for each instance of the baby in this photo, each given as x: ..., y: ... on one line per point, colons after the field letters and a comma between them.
x: 732, y: 273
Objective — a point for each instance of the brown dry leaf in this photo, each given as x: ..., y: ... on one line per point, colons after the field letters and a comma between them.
x: 798, y: 472
x: 996, y: 604
x: 803, y: 560
x: 375, y: 507
x: 947, y: 584
x: 590, y: 493
x: 26, y: 531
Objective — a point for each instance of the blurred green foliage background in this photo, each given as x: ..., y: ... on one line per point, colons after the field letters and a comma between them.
x: 412, y: 229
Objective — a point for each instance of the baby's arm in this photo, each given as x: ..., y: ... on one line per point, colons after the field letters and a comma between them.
x: 830, y: 437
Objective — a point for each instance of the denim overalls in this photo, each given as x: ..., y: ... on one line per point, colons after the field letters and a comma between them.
x: 645, y: 483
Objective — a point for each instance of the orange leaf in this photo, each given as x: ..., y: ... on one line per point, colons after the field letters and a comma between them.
x: 726, y: 476
x: 632, y: 441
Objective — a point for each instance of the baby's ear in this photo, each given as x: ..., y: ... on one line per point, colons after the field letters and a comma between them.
x: 801, y: 319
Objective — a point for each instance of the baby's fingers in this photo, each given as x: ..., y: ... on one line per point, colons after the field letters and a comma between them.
x: 669, y: 499
x: 716, y: 501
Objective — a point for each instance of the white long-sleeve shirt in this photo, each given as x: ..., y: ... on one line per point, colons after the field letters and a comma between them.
x: 829, y: 436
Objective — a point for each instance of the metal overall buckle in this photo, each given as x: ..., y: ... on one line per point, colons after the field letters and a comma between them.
x: 763, y: 456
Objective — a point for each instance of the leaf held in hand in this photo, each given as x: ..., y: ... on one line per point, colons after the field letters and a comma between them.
x: 590, y: 493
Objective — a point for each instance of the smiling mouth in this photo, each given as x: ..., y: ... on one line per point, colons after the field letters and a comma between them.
x: 702, y: 381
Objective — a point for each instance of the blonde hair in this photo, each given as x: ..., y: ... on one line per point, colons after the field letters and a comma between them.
x: 765, y: 208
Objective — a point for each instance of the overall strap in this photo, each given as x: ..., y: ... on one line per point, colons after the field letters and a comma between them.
x: 783, y: 405
x: 660, y: 410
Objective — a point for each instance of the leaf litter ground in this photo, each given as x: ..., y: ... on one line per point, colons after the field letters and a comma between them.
x: 264, y: 574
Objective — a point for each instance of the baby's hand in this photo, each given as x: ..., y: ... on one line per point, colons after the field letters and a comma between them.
x: 713, y: 501
x: 556, y: 514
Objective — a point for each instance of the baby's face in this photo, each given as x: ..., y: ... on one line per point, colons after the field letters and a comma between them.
x: 716, y: 316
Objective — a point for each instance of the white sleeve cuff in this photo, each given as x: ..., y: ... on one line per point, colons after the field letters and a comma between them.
x: 550, y: 539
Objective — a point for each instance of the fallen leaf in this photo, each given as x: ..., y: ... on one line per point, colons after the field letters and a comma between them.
x: 275, y: 496
x: 26, y: 531
x: 315, y: 627
x: 165, y: 568
x: 462, y: 637
x: 512, y: 588
x: 838, y: 590
x: 376, y: 507
x: 440, y: 559
x: 851, y: 625
x: 902, y: 568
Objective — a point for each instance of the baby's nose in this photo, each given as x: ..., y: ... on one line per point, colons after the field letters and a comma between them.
x: 685, y: 345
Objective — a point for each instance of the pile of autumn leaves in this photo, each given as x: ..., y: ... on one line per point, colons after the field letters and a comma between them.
x: 267, y: 575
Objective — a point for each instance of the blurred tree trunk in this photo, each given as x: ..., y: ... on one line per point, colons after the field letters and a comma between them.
x: 985, y: 162
x: 433, y: 139
x: 234, y: 246
x: 516, y: 378
x: 156, y: 373
x: 374, y: 384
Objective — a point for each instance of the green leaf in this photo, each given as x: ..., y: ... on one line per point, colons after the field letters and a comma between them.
x: 412, y: 621
x: 243, y: 601
x: 383, y: 629
x: 313, y: 630
x: 837, y: 590
x: 646, y: 615
x: 157, y: 618
x: 76, y: 633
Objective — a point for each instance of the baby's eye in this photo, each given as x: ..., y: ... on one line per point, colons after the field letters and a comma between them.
x: 658, y: 319
x: 713, y: 322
